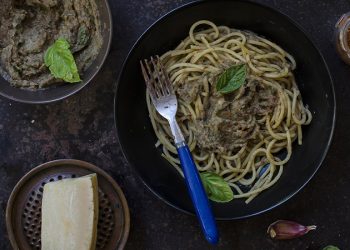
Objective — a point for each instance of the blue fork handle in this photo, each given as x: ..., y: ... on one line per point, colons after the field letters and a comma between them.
x: 198, y: 195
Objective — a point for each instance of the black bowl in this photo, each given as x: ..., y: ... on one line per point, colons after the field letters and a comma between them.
x: 135, y: 132
x: 61, y: 91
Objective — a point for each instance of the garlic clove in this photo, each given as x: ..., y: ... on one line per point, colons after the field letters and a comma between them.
x: 284, y: 230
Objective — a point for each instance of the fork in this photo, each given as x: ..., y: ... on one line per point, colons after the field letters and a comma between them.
x: 164, y: 100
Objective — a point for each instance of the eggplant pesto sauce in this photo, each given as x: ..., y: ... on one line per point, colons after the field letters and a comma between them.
x: 230, y: 114
x: 29, y: 27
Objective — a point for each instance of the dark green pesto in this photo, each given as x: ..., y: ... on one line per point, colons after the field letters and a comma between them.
x: 29, y: 27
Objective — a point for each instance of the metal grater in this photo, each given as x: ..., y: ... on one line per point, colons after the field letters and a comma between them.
x: 23, y: 213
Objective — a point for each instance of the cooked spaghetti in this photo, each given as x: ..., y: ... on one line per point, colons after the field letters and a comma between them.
x: 245, y: 136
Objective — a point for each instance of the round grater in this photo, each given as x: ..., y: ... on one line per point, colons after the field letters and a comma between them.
x: 23, y: 212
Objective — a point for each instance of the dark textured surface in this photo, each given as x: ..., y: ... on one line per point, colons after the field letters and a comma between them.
x: 82, y: 127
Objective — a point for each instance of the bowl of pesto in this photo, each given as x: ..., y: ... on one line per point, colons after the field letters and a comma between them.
x: 50, y: 49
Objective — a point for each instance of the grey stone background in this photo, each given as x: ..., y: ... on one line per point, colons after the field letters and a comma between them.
x: 82, y: 127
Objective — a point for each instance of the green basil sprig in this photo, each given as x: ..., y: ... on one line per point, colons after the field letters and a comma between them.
x: 330, y: 247
x: 59, y: 59
x: 216, y: 187
x: 231, y: 79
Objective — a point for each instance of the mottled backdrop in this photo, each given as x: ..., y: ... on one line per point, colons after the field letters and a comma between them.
x: 82, y: 127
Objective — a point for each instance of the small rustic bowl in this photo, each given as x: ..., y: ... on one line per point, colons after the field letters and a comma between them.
x: 342, y: 37
x: 61, y: 91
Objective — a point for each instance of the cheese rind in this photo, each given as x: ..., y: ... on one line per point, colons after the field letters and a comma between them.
x: 69, y: 214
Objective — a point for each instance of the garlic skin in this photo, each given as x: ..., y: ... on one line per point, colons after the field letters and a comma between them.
x: 285, y: 230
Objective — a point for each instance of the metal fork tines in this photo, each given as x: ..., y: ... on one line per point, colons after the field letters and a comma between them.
x: 162, y: 93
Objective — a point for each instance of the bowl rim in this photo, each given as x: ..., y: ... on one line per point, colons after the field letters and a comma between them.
x: 83, y: 84
x: 174, y: 12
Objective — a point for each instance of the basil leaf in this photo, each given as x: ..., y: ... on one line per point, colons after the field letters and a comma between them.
x: 231, y: 79
x: 61, y: 62
x: 216, y: 187
x: 330, y: 247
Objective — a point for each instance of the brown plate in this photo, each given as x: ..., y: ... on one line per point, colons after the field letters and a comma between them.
x: 23, y: 212
x: 61, y: 91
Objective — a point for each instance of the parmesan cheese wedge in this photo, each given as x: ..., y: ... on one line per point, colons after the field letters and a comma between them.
x: 69, y: 214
